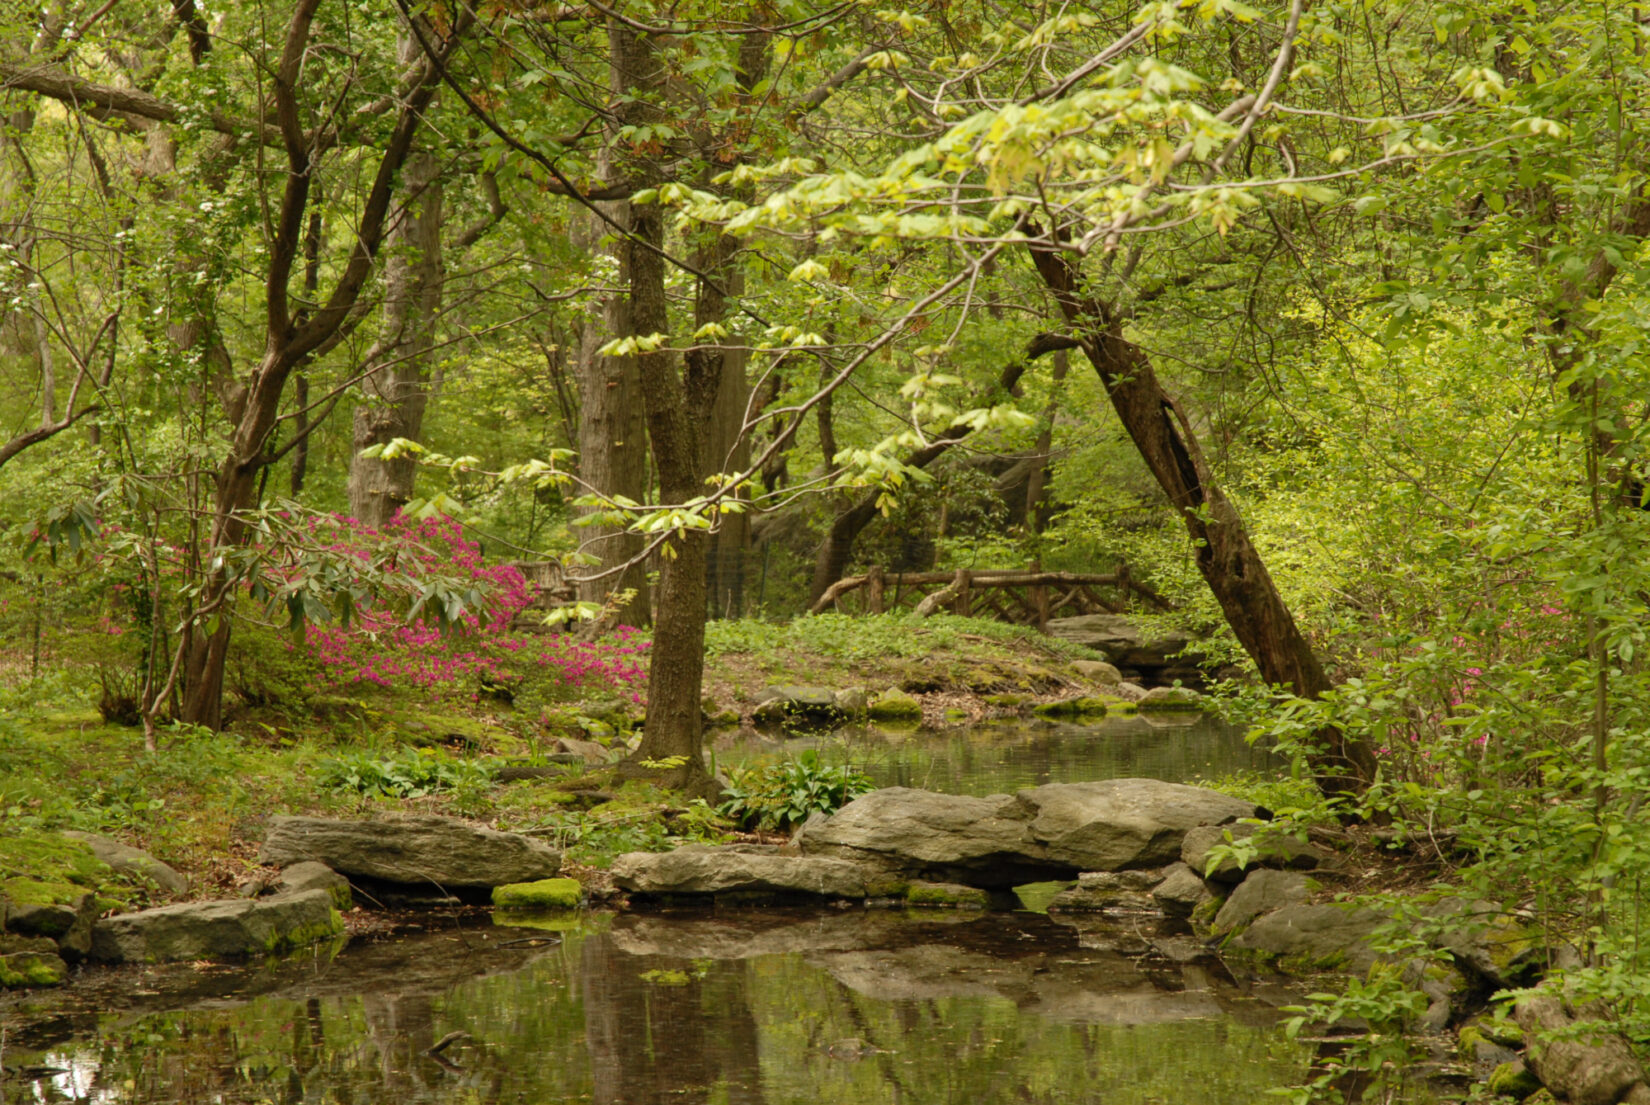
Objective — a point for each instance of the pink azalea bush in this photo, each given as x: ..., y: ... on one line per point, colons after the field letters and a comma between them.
x: 385, y: 647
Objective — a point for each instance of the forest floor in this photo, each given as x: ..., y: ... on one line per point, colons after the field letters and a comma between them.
x: 199, y: 802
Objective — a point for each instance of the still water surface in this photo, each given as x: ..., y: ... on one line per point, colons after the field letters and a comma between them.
x: 721, y: 1007
x: 1002, y: 757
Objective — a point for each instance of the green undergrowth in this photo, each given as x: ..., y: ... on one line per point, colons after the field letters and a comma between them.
x: 880, y: 636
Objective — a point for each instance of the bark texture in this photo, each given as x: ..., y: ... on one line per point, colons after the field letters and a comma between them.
x: 613, y: 448
x: 1226, y: 558
x: 398, y: 365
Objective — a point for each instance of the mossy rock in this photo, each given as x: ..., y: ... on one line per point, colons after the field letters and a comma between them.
x: 1171, y: 699
x: 943, y: 895
x: 894, y: 705
x: 51, y: 861
x: 1513, y: 1080
x: 1007, y: 701
x: 543, y: 894
x: 1081, y: 706
x: 27, y: 962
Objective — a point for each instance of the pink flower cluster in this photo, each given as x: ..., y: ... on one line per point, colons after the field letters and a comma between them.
x: 383, y: 647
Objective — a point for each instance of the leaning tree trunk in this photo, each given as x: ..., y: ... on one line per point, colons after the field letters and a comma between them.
x: 1226, y: 558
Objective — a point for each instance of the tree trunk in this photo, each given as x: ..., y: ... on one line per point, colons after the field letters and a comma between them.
x: 612, y: 436
x: 398, y: 364
x: 728, y: 449
x: 677, y: 404
x: 1037, y: 480
x: 1225, y: 557
x: 255, y: 401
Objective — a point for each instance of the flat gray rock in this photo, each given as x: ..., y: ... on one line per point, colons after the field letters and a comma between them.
x: 1121, y: 823
x: 1053, y: 831
x: 702, y: 869
x: 1262, y: 892
x: 132, y: 861
x: 434, y: 852
x: 234, y: 929
x: 949, y: 837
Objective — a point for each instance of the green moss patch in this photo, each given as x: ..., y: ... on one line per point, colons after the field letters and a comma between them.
x: 543, y: 894
x: 1082, y: 706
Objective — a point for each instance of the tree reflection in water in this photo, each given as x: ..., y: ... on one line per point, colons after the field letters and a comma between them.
x: 747, y: 1008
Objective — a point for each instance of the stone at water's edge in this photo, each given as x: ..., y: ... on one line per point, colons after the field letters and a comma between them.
x: 310, y: 875
x: 544, y: 894
x: 1119, y: 823
x: 1097, y: 671
x: 941, y: 837
x: 1124, y: 641
x: 1262, y: 892
x: 701, y: 869
x: 435, y: 852
x: 1272, y: 851
x: 1052, y: 831
x: 28, y: 961
x: 1312, y: 936
x: 1170, y: 698
x: 235, y: 929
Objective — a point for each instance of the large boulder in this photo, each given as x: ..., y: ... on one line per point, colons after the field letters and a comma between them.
x: 235, y: 929
x: 1122, y: 823
x: 743, y: 868
x: 1125, y: 642
x: 132, y: 861
x: 437, y: 852
x: 939, y: 837
x: 1048, y: 832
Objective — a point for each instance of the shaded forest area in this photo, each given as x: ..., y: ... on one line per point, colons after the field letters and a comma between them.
x: 331, y: 329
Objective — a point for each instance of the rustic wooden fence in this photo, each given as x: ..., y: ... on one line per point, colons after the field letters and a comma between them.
x: 1024, y: 596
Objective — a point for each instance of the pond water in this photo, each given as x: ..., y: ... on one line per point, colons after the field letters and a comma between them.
x: 840, y: 1006
x: 1002, y: 757
x: 724, y: 1007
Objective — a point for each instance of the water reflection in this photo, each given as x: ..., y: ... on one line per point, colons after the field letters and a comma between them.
x: 844, y: 1006
x: 1002, y: 757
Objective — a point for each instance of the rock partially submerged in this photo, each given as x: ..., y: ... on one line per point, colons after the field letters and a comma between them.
x: 233, y: 929
x: 440, y: 853
x: 899, y: 835
x: 747, y: 868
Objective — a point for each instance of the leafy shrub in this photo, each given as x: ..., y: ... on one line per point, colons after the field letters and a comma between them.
x: 874, y: 636
x: 789, y: 792
x: 596, y: 836
x: 386, y: 646
x: 413, y: 775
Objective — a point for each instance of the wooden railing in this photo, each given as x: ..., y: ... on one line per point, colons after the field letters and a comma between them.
x: 1025, y: 596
